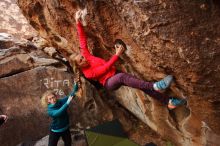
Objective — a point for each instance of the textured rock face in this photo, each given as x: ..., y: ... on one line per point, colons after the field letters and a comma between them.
x: 12, y: 20
x: 163, y: 37
x: 26, y: 72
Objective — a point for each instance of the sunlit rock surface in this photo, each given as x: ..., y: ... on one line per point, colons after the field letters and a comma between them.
x: 12, y: 21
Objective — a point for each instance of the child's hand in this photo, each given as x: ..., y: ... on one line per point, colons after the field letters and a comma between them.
x: 75, y: 87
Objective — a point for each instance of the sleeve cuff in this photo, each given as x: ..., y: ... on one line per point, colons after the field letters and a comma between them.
x: 78, y: 23
x: 68, y: 101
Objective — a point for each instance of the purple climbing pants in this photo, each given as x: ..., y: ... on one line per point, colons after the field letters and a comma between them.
x: 125, y: 79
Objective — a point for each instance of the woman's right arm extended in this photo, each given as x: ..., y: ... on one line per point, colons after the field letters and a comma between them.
x: 61, y: 110
x: 82, y: 39
x: 58, y: 112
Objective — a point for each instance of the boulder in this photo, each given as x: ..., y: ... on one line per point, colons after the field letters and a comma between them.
x: 26, y: 72
x: 162, y: 37
x: 13, y: 21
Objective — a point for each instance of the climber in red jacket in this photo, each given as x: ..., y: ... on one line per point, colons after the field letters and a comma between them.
x: 96, y: 68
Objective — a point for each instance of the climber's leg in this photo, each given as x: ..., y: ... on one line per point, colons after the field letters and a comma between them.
x: 53, y: 138
x: 164, y: 83
x: 174, y: 102
x: 163, y: 98
x: 119, y: 79
x: 171, y: 102
x: 66, y: 136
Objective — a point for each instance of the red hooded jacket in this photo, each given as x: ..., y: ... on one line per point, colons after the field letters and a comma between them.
x: 98, y: 68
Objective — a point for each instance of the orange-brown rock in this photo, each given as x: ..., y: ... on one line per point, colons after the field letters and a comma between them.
x: 26, y: 72
x: 163, y: 37
x: 13, y: 21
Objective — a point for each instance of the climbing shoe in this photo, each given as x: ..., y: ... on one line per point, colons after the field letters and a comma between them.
x: 174, y: 102
x: 164, y: 83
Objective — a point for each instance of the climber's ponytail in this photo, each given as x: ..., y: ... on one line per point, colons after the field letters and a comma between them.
x: 72, y: 60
